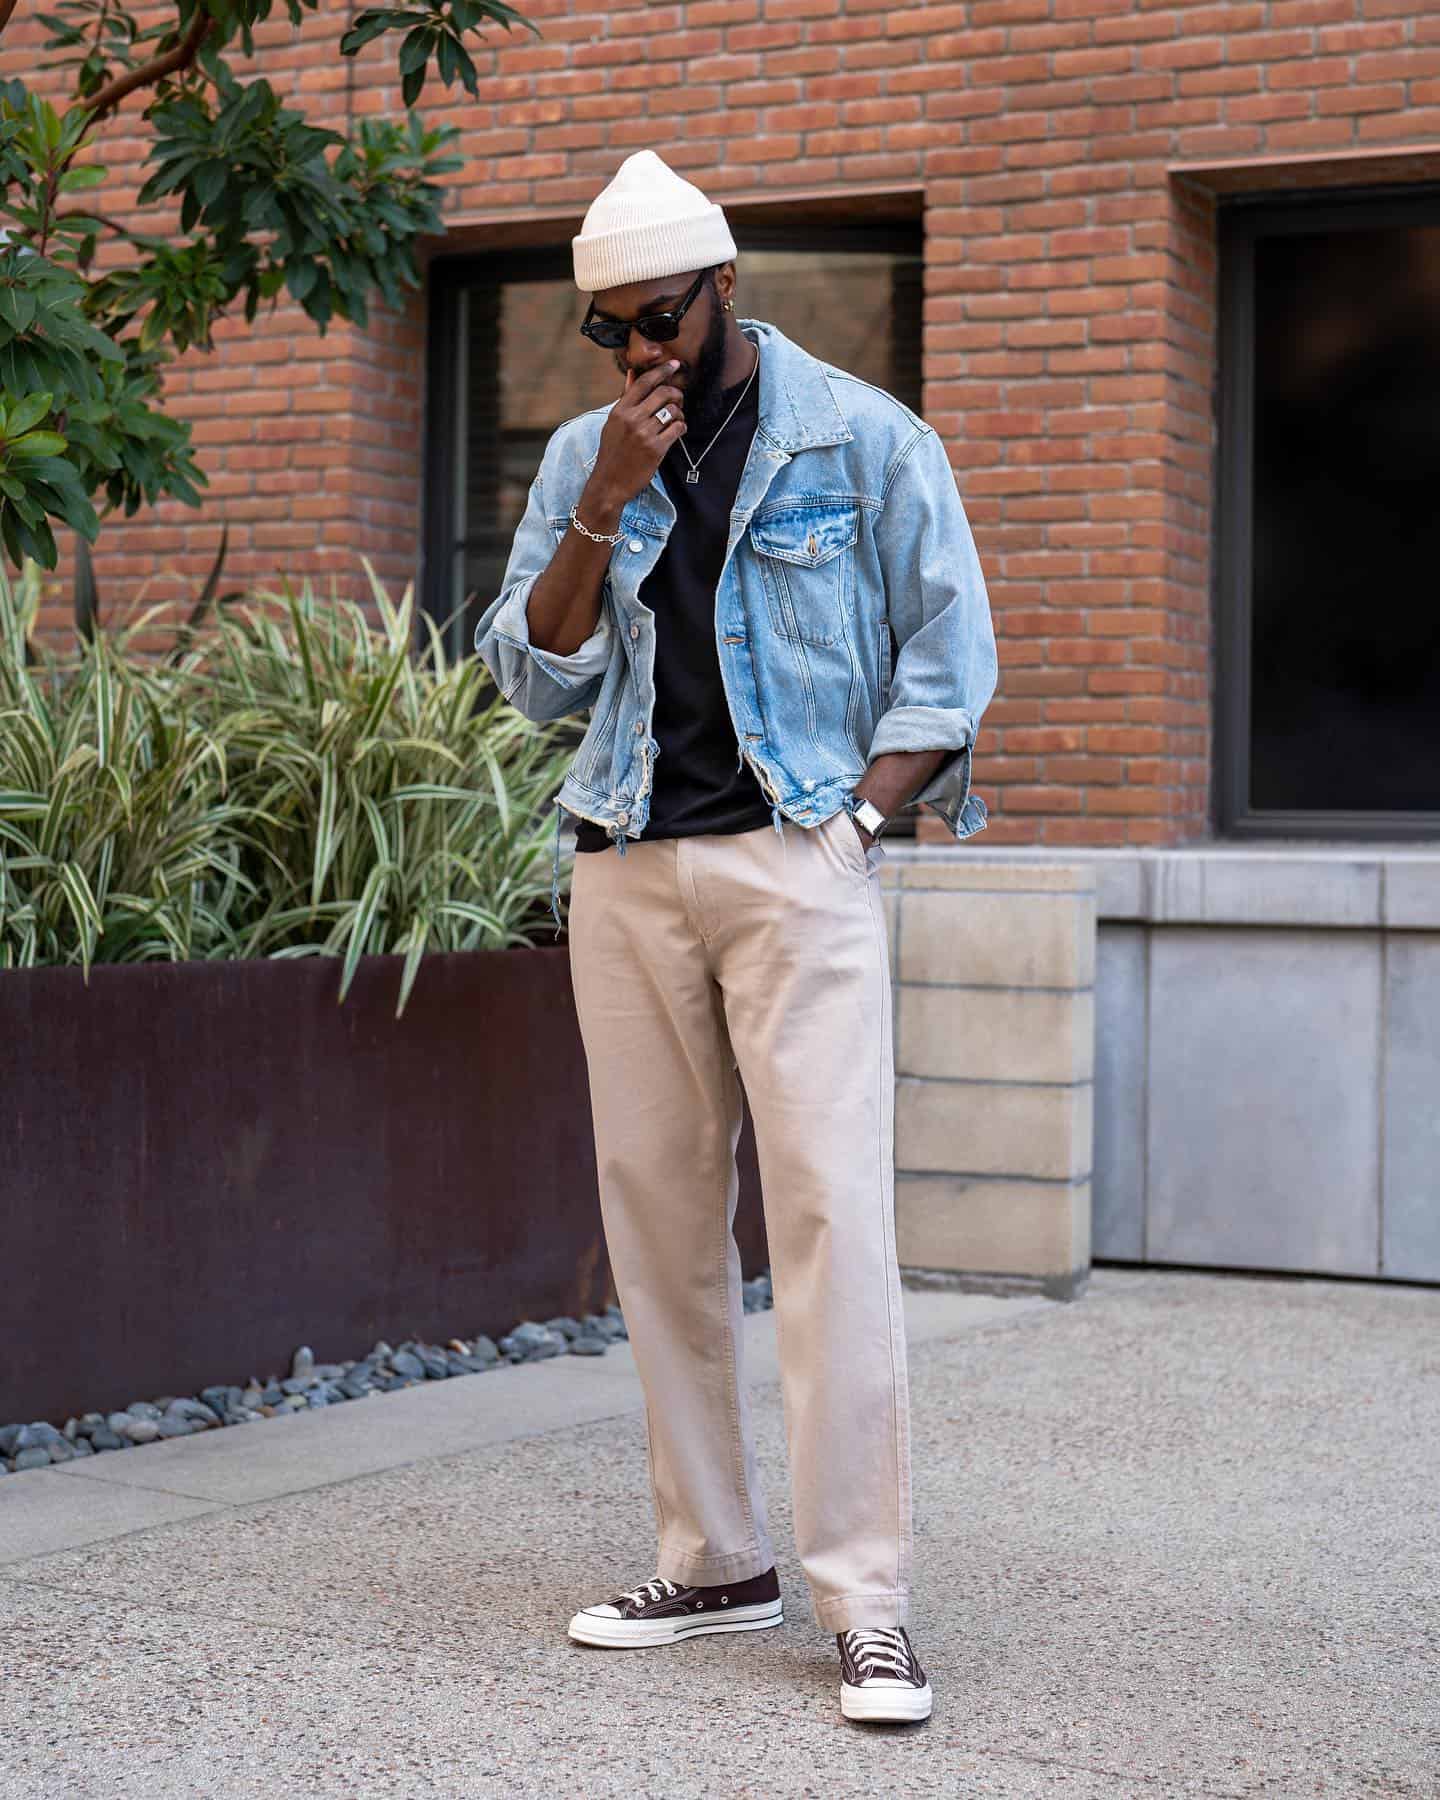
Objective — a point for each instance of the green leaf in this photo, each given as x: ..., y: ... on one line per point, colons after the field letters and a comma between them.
x: 78, y: 180
x: 416, y: 49
x: 36, y: 443
x: 87, y: 596
x: 28, y: 413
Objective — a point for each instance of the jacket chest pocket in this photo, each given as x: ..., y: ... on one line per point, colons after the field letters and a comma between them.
x: 806, y: 556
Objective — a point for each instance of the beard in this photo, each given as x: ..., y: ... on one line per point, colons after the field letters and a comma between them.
x: 704, y: 397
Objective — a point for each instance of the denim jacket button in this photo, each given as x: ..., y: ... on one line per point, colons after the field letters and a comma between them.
x: 622, y: 818
x: 637, y: 545
x: 634, y: 631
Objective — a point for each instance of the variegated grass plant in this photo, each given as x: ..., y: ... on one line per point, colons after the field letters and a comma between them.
x: 294, y: 782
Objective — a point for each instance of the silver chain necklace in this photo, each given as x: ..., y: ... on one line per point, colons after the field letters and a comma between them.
x: 692, y: 474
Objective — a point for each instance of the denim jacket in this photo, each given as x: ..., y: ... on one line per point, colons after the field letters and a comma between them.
x: 847, y: 528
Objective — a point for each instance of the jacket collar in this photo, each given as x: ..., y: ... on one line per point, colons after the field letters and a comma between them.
x: 798, y: 410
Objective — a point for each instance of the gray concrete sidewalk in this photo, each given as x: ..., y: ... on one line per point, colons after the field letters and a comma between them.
x: 1176, y: 1538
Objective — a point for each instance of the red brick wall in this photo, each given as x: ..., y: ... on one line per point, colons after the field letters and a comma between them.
x: 1070, y: 305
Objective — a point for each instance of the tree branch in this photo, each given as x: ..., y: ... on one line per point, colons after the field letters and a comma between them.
x: 6, y: 8
x: 180, y: 57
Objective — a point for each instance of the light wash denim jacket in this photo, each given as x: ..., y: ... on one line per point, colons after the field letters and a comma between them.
x: 846, y: 526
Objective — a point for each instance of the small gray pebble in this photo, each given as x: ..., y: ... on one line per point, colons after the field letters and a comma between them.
x: 71, y: 1430
x: 484, y: 1350
x: 299, y: 1384
x: 83, y: 1447
x: 588, y: 1344
x: 302, y: 1363
x: 119, y: 1420
x: 173, y: 1426
x: 405, y: 1362
x: 61, y: 1451
x: 141, y: 1431
x: 196, y: 1412
x: 567, y: 1327
x: 33, y: 1456
x: 103, y: 1438
x: 142, y: 1409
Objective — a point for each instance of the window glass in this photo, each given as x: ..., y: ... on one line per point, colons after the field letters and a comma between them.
x: 1345, y: 533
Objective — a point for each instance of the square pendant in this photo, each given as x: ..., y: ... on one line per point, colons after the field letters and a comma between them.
x: 692, y: 476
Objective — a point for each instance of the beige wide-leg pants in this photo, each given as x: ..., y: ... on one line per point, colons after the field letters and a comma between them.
x: 759, y: 957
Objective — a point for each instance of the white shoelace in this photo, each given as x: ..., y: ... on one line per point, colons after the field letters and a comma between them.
x: 877, y: 1650
x: 658, y: 1589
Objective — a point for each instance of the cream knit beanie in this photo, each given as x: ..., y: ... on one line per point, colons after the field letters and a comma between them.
x: 647, y: 223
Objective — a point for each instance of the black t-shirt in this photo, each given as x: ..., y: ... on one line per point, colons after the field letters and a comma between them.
x: 697, y: 786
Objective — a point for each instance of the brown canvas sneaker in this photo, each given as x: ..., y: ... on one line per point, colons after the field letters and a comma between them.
x: 881, y: 1681
x: 662, y: 1613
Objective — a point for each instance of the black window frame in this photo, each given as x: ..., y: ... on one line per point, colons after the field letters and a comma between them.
x: 1241, y: 220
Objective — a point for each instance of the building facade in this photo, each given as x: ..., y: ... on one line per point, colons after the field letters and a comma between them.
x: 1166, y: 279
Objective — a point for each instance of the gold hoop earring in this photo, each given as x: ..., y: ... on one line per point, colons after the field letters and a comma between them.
x: 727, y: 306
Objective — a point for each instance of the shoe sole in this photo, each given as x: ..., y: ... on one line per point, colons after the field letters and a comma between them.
x: 628, y: 1634
x: 886, y: 1706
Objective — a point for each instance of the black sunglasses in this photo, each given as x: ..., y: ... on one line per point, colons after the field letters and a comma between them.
x: 659, y: 327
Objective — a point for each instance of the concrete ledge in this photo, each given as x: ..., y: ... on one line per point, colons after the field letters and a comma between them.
x: 1388, y: 887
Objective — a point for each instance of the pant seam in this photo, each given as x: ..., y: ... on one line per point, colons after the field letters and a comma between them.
x: 900, y: 1559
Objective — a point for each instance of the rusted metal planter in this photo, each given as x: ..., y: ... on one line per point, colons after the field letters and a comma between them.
x: 203, y: 1165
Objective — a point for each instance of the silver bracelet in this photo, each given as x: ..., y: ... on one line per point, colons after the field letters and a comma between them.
x: 596, y: 537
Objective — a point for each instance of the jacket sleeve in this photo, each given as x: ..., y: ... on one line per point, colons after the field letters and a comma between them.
x: 945, y: 666
x: 541, y: 685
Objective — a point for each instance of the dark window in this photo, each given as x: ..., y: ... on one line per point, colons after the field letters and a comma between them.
x: 1329, y: 526
x: 507, y: 365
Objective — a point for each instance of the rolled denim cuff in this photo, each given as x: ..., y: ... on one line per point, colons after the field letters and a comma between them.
x: 947, y: 792
x: 592, y: 658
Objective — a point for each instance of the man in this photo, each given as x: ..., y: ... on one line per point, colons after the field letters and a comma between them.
x: 756, y: 574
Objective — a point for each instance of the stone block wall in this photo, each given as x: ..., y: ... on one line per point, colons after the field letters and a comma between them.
x: 993, y: 981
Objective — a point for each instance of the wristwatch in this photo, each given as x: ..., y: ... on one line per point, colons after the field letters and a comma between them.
x: 866, y: 813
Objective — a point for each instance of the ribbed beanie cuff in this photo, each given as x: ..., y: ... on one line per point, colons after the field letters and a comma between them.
x: 646, y: 224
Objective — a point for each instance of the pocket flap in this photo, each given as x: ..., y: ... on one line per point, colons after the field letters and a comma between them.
x: 807, y: 535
